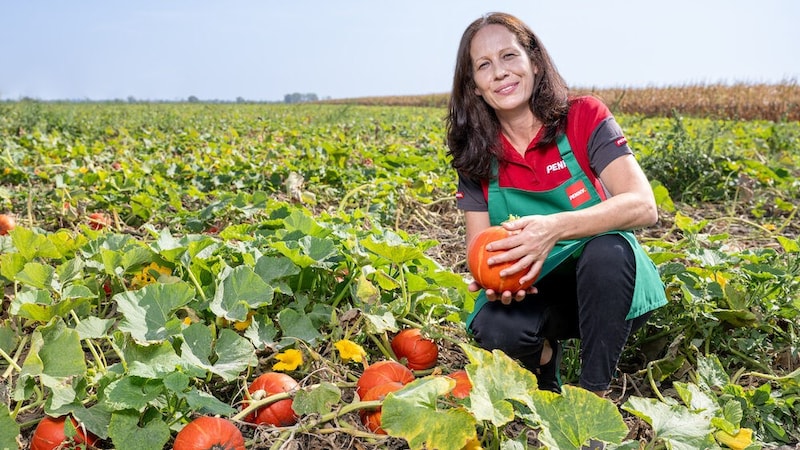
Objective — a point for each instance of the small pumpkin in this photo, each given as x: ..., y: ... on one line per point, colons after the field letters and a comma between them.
x: 489, y: 276
x: 49, y: 435
x: 419, y: 352
x: 99, y: 220
x: 463, y: 384
x: 371, y: 418
x: 209, y: 433
x: 279, y: 413
x: 383, y: 372
x: 7, y: 223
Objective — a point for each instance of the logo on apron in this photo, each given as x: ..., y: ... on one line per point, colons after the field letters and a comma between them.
x: 578, y: 194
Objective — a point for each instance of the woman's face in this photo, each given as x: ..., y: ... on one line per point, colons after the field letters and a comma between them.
x: 502, y: 70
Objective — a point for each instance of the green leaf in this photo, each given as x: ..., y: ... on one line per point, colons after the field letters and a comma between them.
x: 674, y: 424
x: 365, y: 291
x: 150, y: 361
x: 30, y: 244
x: 94, y: 327
x: 496, y: 379
x: 38, y: 275
x: 411, y: 414
x: 239, y: 290
x: 11, y: 264
x: 149, y: 313
x: 573, y: 418
x: 96, y: 418
x: 126, y: 434
x: 393, y: 248
x: 8, y: 339
x: 133, y: 392
x: 296, y: 325
x: 274, y: 269
x: 711, y: 373
x: 788, y: 245
x: 262, y: 331
x: 56, y: 352
x: 232, y: 353
x: 319, y: 400
x: 663, y: 199
x: 9, y: 429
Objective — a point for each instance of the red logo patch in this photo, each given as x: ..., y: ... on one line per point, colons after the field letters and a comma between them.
x: 578, y: 194
x: 621, y: 141
x: 459, y: 195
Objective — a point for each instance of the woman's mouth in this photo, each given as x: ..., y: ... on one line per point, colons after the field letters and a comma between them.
x: 506, y: 89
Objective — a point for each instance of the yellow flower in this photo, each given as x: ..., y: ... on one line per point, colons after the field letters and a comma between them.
x: 289, y: 360
x: 472, y: 444
x: 242, y: 325
x: 350, y: 351
x: 743, y: 438
x: 149, y: 275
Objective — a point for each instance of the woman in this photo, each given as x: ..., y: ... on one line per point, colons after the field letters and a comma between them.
x: 562, y: 167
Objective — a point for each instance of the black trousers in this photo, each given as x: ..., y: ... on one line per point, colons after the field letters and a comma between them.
x: 586, y: 297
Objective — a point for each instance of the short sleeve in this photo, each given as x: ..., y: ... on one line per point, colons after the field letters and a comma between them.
x: 470, y: 195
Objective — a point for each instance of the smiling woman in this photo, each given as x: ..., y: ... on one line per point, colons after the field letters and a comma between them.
x: 555, y: 171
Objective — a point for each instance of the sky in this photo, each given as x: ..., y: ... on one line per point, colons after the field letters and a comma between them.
x: 264, y: 50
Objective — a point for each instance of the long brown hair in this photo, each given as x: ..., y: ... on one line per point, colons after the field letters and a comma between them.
x: 472, y: 126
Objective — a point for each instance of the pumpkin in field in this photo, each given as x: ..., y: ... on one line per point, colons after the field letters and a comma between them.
x: 463, y: 384
x: 383, y: 372
x: 419, y: 352
x: 49, y: 435
x: 7, y: 223
x: 98, y: 220
x: 279, y: 413
x: 371, y: 418
x: 209, y: 433
x: 489, y: 276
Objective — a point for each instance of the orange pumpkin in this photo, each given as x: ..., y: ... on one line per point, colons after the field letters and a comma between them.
x: 419, y: 352
x: 383, y: 372
x: 280, y: 413
x: 371, y: 418
x: 489, y: 276
x: 463, y: 384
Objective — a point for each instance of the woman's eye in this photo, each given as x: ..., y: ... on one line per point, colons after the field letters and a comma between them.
x: 483, y: 65
x: 509, y: 55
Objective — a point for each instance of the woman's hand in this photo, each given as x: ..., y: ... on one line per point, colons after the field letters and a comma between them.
x: 475, y: 223
x: 532, y: 238
x: 505, y: 297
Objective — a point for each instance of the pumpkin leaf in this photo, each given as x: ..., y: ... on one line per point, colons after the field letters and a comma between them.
x: 319, y: 400
x: 497, y: 379
x: 231, y: 353
x: 126, y: 434
x: 9, y: 429
x: 673, y: 423
x: 411, y: 413
x: 149, y: 313
x: 575, y: 416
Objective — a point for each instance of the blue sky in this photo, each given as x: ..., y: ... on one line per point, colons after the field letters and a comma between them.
x: 262, y: 50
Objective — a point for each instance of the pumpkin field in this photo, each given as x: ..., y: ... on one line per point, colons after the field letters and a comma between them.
x: 270, y: 276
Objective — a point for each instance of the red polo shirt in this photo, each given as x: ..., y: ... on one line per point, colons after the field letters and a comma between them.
x: 596, y: 140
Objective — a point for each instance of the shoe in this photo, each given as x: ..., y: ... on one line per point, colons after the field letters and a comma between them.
x: 549, y: 375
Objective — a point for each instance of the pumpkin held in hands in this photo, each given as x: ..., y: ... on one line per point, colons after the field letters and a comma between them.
x: 488, y: 276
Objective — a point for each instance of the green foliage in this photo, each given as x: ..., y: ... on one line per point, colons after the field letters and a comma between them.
x: 240, y: 231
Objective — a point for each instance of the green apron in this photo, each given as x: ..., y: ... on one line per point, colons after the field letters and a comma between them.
x: 649, y: 290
